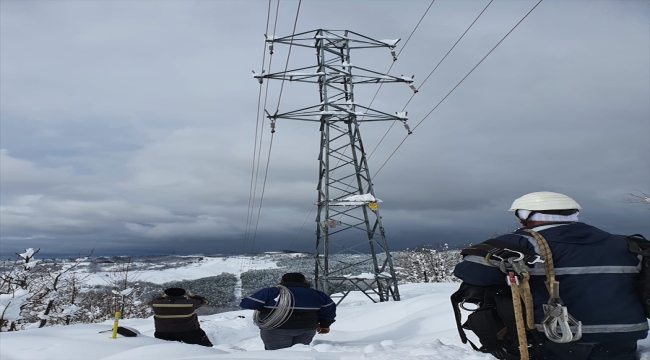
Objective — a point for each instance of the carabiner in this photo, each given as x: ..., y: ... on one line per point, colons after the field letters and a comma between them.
x: 521, y: 255
x: 557, y: 318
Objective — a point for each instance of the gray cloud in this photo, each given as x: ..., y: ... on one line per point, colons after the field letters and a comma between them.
x: 128, y: 127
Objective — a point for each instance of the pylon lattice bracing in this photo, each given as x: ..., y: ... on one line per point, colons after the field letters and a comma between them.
x: 346, y: 197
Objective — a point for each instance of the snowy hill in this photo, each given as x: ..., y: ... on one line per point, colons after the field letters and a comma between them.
x: 421, y: 326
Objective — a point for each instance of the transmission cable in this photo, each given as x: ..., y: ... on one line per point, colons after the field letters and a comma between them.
x: 255, y: 170
x: 251, y: 195
x: 388, y: 71
x: 259, y: 210
x: 257, y: 122
x: 425, y: 80
x: 460, y: 82
x: 400, y: 52
x: 288, y: 55
x: 259, y: 152
x: 303, y: 225
x: 268, y: 160
x: 428, y: 76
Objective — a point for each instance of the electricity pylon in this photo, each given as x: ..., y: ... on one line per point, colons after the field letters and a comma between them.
x: 346, y: 197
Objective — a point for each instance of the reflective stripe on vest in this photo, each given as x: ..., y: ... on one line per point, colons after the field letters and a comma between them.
x: 590, y: 270
x: 609, y: 269
x: 612, y: 328
x: 480, y: 260
x: 175, y: 316
x: 173, y: 305
x: 256, y: 300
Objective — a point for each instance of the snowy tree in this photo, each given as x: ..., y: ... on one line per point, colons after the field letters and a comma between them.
x: 15, y: 286
x: 427, y: 263
x: 59, y: 293
x: 37, y: 295
x: 123, y: 292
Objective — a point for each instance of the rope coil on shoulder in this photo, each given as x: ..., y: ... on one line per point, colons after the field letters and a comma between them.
x: 278, y: 315
x: 557, y: 321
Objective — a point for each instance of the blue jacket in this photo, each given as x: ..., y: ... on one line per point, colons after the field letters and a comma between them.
x: 312, y: 308
x: 597, y: 276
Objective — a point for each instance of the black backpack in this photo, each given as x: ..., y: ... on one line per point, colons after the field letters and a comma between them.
x: 492, y: 317
x: 639, y: 245
x: 492, y: 320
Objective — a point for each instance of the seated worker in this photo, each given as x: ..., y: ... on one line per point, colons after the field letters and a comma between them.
x: 175, y: 317
x: 302, y: 312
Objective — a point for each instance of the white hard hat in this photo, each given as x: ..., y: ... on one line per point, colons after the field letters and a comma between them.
x: 544, y: 200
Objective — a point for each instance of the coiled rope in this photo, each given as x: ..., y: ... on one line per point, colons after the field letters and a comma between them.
x: 278, y: 315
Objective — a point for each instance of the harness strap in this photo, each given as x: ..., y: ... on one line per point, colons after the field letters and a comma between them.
x: 519, y: 319
x: 483, y: 299
x: 528, y: 302
x: 552, y: 285
x: 499, y: 250
x: 463, y: 336
x: 555, y: 314
x: 459, y: 325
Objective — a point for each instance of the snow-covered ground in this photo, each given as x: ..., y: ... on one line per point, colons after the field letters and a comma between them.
x: 208, y: 266
x: 421, y: 326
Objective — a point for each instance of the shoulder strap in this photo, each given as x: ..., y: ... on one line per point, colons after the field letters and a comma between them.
x: 638, y: 244
x: 493, y: 249
x: 481, y: 321
x: 552, y: 285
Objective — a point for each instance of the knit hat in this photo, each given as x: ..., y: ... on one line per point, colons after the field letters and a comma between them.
x: 293, y: 277
x: 175, y: 292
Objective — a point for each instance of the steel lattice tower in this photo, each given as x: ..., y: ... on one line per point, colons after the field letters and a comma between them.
x: 346, y: 197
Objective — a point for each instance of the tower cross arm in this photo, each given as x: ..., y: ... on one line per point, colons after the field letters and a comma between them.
x: 341, y: 112
x: 332, y: 38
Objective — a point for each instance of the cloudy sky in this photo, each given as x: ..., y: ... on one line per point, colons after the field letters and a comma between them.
x: 128, y: 127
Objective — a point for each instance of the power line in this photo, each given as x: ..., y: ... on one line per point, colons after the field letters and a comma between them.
x: 259, y: 152
x: 303, y: 225
x: 460, y: 82
x: 259, y: 210
x: 400, y: 52
x: 431, y: 73
x: 289, y: 54
x: 388, y: 71
x: 268, y: 160
x: 257, y: 122
x: 452, y: 48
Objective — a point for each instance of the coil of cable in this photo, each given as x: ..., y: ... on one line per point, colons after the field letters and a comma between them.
x: 278, y: 315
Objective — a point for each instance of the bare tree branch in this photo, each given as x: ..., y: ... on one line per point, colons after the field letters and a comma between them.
x: 638, y: 197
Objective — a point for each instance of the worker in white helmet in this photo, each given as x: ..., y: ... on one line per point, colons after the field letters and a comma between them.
x: 595, y: 313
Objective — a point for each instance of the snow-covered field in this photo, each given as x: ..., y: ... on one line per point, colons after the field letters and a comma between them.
x: 421, y: 326
x: 208, y: 266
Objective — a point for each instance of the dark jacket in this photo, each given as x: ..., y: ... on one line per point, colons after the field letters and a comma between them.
x: 176, y: 313
x: 312, y: 308
x: 597, y: 276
